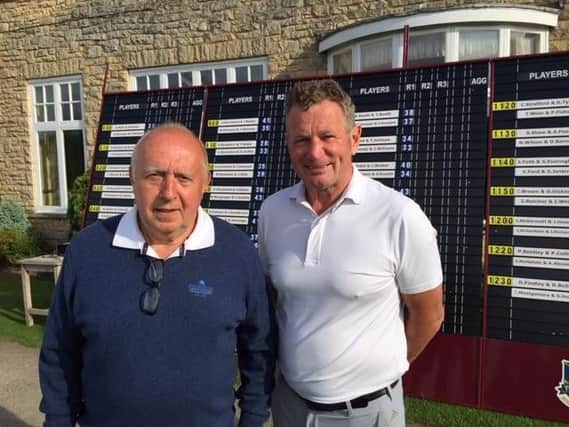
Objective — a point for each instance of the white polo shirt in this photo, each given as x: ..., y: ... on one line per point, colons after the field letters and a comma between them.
x: 338, y: 276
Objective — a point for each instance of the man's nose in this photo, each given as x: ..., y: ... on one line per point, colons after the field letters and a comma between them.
x: 168, y: 187
x: 315, y: 148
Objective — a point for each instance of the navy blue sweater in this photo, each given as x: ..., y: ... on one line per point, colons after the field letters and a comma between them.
x: 105, y: 363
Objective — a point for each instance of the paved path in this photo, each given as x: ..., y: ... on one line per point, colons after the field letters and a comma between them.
x: 19, y: 386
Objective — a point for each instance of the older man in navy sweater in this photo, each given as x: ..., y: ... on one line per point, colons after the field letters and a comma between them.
x: 151, y: 305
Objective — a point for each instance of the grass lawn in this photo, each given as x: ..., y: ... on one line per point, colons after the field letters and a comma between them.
x: 12, y: 323
x: 428, y: 413
x: 435, y: 414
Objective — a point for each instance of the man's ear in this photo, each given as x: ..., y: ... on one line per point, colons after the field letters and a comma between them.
x: 355, y: 135
x: 207, y: 181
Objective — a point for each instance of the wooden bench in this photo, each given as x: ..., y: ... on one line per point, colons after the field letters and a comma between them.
x: 38, y: 264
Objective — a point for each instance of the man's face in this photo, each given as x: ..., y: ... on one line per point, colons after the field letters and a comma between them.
x: 169, y: 179
x: 321, y: 147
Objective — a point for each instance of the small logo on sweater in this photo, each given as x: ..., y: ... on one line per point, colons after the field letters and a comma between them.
x: 200, y: 289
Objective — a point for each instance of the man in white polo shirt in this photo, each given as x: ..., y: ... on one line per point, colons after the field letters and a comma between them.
x: 356, y: 271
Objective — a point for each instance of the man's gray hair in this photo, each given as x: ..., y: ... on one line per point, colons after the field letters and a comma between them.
x: 307, y: 93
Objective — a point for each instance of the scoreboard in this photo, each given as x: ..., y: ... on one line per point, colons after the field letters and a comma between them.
x: 424, y: 134
x: 528, y: 252
x: 432, y: 133
x: 482, y: 147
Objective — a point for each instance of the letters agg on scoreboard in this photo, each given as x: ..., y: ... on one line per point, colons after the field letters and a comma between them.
x: 425, y: 133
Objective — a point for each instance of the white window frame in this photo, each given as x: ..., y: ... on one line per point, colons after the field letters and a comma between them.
x: 195, y: 69
x: 58, y: 126
x: 504, y: 19
x: 543, y: 44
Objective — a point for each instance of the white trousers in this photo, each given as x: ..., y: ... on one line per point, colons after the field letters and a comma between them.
x: 289, y: 410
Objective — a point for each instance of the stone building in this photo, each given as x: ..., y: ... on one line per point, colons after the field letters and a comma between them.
x: 57, y: 57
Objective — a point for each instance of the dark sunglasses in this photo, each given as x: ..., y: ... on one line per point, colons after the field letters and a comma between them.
x: 150, y: 298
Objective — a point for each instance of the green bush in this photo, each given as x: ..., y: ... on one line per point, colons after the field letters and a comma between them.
x: 17, y: 240
x: 13, y: 217
x: 76, y: 199
x: 15, y: 244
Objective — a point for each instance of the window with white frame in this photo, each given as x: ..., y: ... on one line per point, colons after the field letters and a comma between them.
x: 478, y: 43
x: 436, y: 37
x: 429, y: 48
x: 376, y: 54
x: 522, y: 42
x: 199, y: 74
x: 58, y: 132
x: 343, y: 61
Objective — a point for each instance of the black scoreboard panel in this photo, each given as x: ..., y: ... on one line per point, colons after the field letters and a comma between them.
x: 124, y: 119
x: 425, y: 134
x: 528, y: 243
x: 244, y: 135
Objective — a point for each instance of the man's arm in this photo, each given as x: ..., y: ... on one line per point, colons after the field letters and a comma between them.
x: 256, y: 349
x: 60, y: 357
x: 424, y: 316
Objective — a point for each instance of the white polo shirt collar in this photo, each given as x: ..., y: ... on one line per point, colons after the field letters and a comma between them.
x: 354, y: 191
x: 353, y: 194
x: 129, y: 236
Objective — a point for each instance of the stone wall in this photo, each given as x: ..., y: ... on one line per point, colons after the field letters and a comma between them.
x: 52, y: 38
x: 54, y: 229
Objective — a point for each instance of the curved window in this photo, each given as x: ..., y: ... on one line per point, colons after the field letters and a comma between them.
x: 438, y: 37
